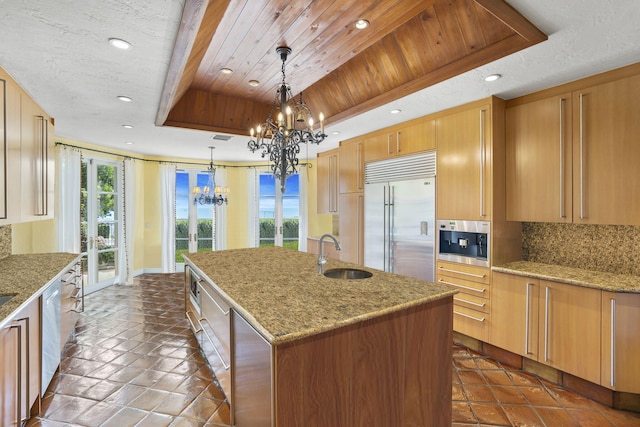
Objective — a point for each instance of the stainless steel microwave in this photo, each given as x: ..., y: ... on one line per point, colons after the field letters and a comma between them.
x: 466, y: 242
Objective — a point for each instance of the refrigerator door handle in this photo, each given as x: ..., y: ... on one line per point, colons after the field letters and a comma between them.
x: 385, y: 231
x: 391, y: 226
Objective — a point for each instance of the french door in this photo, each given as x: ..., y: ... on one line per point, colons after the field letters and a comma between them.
x: 195, y: 223
x: 279, y: 213
x: 100, y: 222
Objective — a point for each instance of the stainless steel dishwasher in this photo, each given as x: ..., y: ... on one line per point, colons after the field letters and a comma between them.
x: 50, y: 333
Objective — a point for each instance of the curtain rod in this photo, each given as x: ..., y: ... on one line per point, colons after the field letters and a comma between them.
x: 168, y: 161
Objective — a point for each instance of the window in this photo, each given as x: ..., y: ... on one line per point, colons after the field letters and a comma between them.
x: 278, y: 213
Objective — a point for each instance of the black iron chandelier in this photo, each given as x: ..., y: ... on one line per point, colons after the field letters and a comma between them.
x: 280, y: 138
x: 211, y: 194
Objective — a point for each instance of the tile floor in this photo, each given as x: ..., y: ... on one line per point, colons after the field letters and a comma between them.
x: 134, y: 362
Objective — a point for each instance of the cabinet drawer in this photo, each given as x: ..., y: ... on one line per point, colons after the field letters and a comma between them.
x: 472, y: 302
x: 464, y: 271
x: 217, y: 356
x: 471, y: 322
x: 215, y: 311
x: 476, y: 289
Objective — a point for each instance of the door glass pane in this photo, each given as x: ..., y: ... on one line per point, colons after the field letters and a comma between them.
x: 206, y: 215
x: 106, y: 239
x: 291, y: 212
x: 267, y: 209
x: 182, y: 215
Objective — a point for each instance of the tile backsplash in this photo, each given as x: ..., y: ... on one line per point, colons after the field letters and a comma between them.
x: 607, y: 248
x: 5, y: 241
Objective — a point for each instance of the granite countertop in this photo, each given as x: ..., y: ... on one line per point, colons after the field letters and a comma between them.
x: 575, y: 276
x: 27, y: 275
x: 280, y: 292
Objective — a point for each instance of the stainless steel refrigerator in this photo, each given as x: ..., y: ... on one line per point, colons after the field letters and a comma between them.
x: 399, y: 216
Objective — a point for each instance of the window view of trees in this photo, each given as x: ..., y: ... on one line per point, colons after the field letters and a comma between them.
x: 288, y: 202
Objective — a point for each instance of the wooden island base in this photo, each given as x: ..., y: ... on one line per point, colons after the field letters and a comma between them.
x: 393, y: 370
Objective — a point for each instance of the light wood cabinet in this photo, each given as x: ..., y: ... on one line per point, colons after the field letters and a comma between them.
x: 472, y: 306
x: 539, y: 160
x: 351, y: 224
x: 606, y: 183
x: 514, y: 315
x: 464, y: 163
x: 554, y: 323
x: 572, y: 152
x: 407, y: 138
x: 29, y: 158
x: 328, y: 181
x: 328, y: 248
x: 621, y: 342
x: 351, y: 167
x: 20, y: 361
x: 3, y: 150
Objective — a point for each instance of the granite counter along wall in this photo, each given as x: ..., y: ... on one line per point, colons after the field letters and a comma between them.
x: 5, y: 241
x: 606, y: 248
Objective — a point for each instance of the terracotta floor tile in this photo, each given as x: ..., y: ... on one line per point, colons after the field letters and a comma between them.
x: 569, y: 399
x: 458, y: 392
x: 621, y: 418
x: 102, y: 390
x: 538, y: 396
x: 471, y: 377
x: 125, y: 417
x: 490, y: 414
x: 149, y: 400
x: 479, y: 393
x: 461, y: 413
x: 156, y: 420
x: 508, y: 395
x: 169, y: 382
x: 175, y: 403
x: 522, y: 416
x: 487, y: 364
x: 497, y: 377
x: 588, y: 418
x: 76, y: 406
x: 465, y: 363
x: 96, y: 414
x: 557, y: 417
x: 524, y: 379
x: 201, y: 408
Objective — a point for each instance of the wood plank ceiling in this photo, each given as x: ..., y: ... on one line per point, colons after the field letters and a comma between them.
x: 342, y: 71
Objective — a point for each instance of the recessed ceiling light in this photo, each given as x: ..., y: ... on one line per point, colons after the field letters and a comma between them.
x: 335, y: 132
x: 127, y: 126
x: 129, y: 142
x: 253, y: 83
x: 124, y: 98
x: 226, y: 70
x: 119, y: 43
x: 396, y: 111
x: 361, y: 24
x: 492, y: 77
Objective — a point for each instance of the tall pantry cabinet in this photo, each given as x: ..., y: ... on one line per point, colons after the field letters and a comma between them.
x: 27, y: 156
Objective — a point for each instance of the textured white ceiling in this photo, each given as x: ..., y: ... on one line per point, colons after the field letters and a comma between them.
x: 58, y: 52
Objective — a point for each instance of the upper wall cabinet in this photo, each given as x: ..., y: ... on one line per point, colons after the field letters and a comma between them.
x: 606, y: 176
x: 572, y: 152
x: 464, y: 163
x: 28, y: 147
x: 401, y: 140
x: 539, y: 159
x: 351, y: 168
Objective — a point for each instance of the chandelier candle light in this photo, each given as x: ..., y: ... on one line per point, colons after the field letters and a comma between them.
x: 281, y: 138
x: 211, y: 194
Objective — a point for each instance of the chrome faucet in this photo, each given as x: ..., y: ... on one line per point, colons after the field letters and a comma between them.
x: 322, y: 260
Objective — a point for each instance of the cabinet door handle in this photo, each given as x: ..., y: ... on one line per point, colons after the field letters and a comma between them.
x: 193, y: 326
x: 546, y: 323
x: 479, y: 276
x: 581, y: 156
x: 389, y: 144
x: 18, y: 327
x: 469, y: 302
x: 482, y: 158
x: 398, y: 141
x: 612, y: 382
x: 526, y: 320
x: 561, y: 180
x: 461, y: 286
x: 477, y: 319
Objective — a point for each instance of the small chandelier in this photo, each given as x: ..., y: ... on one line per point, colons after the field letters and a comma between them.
x: 211, y: 194
x: 280, y: 138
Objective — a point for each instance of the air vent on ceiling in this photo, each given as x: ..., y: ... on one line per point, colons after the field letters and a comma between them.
x: 221, y: 137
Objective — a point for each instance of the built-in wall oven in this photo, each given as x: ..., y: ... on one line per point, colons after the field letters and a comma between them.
x: 466, y: 242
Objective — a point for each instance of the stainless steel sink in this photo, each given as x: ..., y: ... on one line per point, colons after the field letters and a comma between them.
x: 347, y: 274
x: 5, y: 298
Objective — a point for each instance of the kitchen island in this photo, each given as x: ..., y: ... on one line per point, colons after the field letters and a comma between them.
x: 308, y: 350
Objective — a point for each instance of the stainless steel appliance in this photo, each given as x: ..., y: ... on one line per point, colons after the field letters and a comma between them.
x: 399, y: 215
x: 194, y: 289
x: 466, y: 242
x: 50, y: 333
